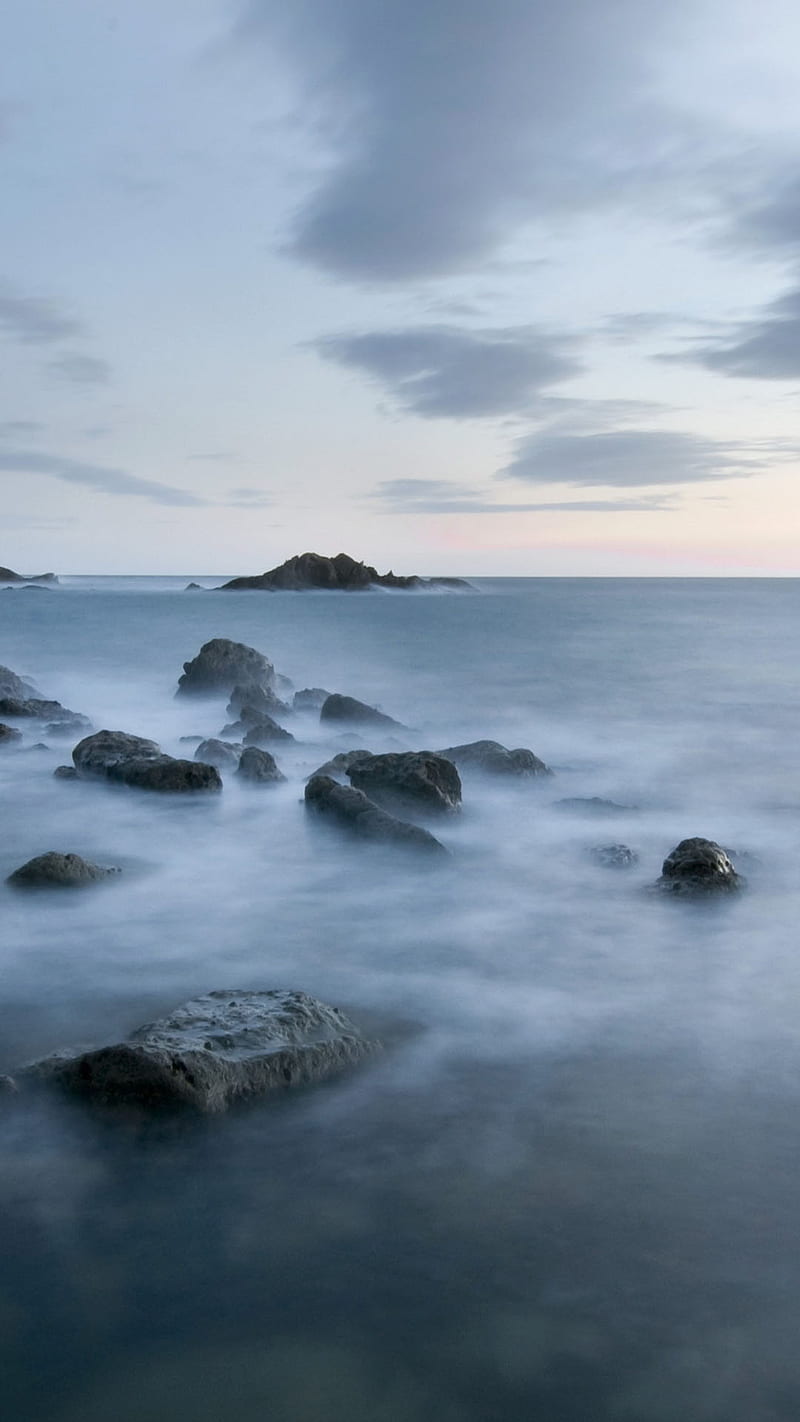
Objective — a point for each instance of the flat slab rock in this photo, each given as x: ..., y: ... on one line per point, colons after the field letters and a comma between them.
x: 55, y: 870
x: 213, y: 1051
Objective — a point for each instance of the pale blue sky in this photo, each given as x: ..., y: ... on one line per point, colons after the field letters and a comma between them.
x: 450, y: 286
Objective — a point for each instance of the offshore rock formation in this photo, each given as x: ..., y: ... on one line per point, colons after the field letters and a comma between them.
x: 308, y: 571
x: 221, y: 665
x: 414, y: 782
x: 360, y: 816
x: 7, y: 576
x: 59, y: 871
x: 213, y: 1051
x: 696, y: 867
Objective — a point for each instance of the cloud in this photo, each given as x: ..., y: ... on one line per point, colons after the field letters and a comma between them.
x: 453, y: 372
x: 449, y: 123
x: 34, y: 320
x: 764, y: 348
x: 12, y: 429
x: 626, y: 459
x: 95, y: 476
x: 248, y: 498
x: 80, y: 369
x: 438, y: 496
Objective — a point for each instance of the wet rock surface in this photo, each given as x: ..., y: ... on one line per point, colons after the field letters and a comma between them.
x: 213, y: 1051
x: 259, y: 767
x: 696, y: 867
x: 410, y: 781
x: 56, y: 870
x: 348, y: 709
x: 96, y: 754
x: 221, y: 665
x: 355, y: 812
x: 140, y: 763
x: 494, y: 759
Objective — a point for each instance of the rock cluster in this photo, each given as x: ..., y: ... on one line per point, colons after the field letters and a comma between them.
x: 135, y: 761
x: 308, y: 571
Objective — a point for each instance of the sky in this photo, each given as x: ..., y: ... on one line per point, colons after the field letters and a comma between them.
x: 506, y: 288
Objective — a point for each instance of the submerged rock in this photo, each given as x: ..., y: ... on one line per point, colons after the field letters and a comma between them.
x: 65, y: 772
x: 9, y: 736
x: 613, y: 856
x: 341, y: 763
x: 213, y: 1051
x: 54, y: 870
x: 356, y: 813
x: 414, y: 781
x: 696, y: 867
x: 306, y: 571
x: 594, y: 805
x: 223, y: 754
x: 264, y: 731
x: 494, y: 759
x: 16, y: 686
x: 347, y: 708
x: 220, y: 665
x: 259, y: 767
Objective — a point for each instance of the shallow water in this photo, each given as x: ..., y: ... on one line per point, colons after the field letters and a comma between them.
x: 567, y: 1188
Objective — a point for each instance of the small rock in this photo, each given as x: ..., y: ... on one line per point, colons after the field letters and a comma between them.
x: 65, y: 772
x: 614, y: 856
x: 265, y: 730
x: 341, y: 763
x: 311, y: 698
x: 220, y: 665
x: 346, y: 708
x: 250, y: 702
x: 493, y: 759
x: 358, y: 814
x: 223, y: 754
x: 165, y: 774
x: 54, y: 870
x: 97, y: 754
x: 409, y: 780
x: 9, y: 736
x: 259, y: 766
x: 696, y: 867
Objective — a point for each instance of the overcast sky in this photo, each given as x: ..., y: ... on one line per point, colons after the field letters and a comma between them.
x: 450, y: 285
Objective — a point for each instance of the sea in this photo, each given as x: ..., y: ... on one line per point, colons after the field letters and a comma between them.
x: 567, y: 1189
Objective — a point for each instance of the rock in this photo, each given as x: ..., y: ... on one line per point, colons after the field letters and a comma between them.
x: 54, y: 870
x: 9, y: 736
x: 61, y: 721
x: 165, y: 774
x: 15, y: 686
x: 266, y: 730
x: 7, y: 576
x: 97, y: 754
x: 65, y: 772
x: 346, y: 708
x: 311, y: 698
x: 214, y: 1051
x: 223, y: 754
x: 594, y: 805
x: 193, y: 587
x: 614, y: 856
x: 698, y: 866
x: 8, y: 1086
x: 341, y: 763
x: 340, y: 574
x: 355, y: 812
x: 259, y: 766
x: 250, y: 702
x: 494, y: 759
x: 220, y: 665
x: 411, y: 781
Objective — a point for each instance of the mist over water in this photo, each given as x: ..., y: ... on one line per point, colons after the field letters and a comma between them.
x: 567, y: 1188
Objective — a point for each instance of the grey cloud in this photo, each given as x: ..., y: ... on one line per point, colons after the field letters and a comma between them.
x: 626, y: 459
x: 773, y: 222
x: 249, y: 498
x: 33, y: 320
x: 95, y: 476
x: 765, y: 348
x: 452, y: 372
x: 451, y: 123
x: 80, y: 369
x: 437, y: 496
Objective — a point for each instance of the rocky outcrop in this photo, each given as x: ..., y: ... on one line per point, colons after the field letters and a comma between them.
x: 493, y: 759
x: 413, y: 782
x: 311, y: 698
x: 250, y: 702
x: 696, y: 867
x: 9, y: 736
x: 349, y: 710
x: 60, y: 721
x: 357, y: 814
x: 220, y: 665
x: 214, y: 1051
x: 307, y: 571
x: 56, y: 871
x: 613, y: 856
x: 223, y: 754
x: 15, y: 686
x: 259, y: 767
x: 265, y: 731
x: 7, y: 576
x: 135, y: 761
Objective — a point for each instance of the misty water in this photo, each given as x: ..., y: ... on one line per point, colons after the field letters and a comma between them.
x: 568, y: 1187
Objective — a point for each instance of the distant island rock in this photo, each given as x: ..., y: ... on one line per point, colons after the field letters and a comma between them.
x: 8, y: 576
x: 307, y: 571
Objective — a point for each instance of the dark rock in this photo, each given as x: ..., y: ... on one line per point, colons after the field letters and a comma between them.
x: 31, y: 708
x: 259, y: 766
x: 7, y: 576
x: 70, y: 724
x: 355, y: 812
x: 614, y: 856
x: 341, y: 763
x: 163, y: 773
x: 223, y: 754
x: 698, y: 866
x: 594, y: 805
x: 265, y: 730
x: 346, y: 708
x: 250, y: 702
x: 214, y: 1051
x: 494, y: 759
x: 311, y: 698
x: 340, y: 574
x: 8, y: 1086
x: 65, y: 772
x: 220, y: 665
x: 97, y: 754
x: 193, y: 587
x: 190, y: 740
x: 15, y: 686
x: 55, y: 870
x: 9, y: 735
x: 410, y: 781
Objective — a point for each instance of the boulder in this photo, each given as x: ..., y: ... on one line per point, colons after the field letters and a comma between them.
x: 411, y: 781
x: 306, y: 571
x: 214, y: 1051
x: 341, y: 763
x: 54, y: 870
x: 61, y: 721
x: 97, y: 754
x: 65, y: 772
x: 696, y: 867
x: 346, y: 708
x: 613, y: 856
x: 259, y: 766
x: 494, y: 759
x: 9, y: 736
x: 265, y: 731
x: 223, y: 754
x: 311, y: 698
x: 250, y: 702
x: 220, y: 665
x: 165, y: 774
x: 356, y: 813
